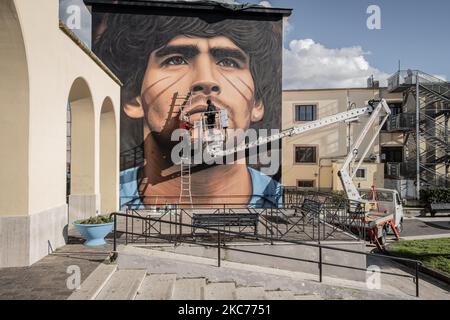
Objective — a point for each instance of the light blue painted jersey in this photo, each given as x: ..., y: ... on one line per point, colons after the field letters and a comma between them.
x: 267, y: 193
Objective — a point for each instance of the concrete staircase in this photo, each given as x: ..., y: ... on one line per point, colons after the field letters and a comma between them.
x: 138, y: 285
x: 143, y: 274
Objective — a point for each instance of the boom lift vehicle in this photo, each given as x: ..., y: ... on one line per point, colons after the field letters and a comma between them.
x: 380, y: 215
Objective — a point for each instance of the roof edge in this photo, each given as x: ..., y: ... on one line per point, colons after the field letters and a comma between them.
x: 192, y: 5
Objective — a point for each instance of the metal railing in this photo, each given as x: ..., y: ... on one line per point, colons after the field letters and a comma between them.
x: 407, y: 78
x: 336, y: 213
x: 400, y: 169
x: 229, y: 201
x: 402, y: 122
x: 329, y: 222
x: 221, y: 243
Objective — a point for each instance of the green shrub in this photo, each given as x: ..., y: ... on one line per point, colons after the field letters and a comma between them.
x: 96, y: 220
x: 435, y: 195
x: 338, y: 196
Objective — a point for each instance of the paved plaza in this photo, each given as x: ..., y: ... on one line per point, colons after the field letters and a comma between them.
x: 46, y: 279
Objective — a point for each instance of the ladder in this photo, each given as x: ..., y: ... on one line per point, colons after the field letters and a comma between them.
x: 185, y: 182
x: 185, y: 164
x: 184, y: 100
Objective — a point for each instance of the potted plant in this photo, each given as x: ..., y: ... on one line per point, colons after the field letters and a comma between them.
x: 95, y: 229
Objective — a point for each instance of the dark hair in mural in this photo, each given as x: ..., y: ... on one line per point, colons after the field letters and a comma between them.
x: 125, y: 41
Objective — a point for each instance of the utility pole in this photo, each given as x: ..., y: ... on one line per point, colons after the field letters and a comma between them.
x: 417, y: 137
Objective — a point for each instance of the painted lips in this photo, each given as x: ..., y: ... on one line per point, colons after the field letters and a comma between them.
x: 195, y: 114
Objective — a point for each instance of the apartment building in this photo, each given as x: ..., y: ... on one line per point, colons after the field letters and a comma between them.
x: 312, y: 160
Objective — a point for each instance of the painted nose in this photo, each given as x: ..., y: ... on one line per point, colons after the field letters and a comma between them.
x: 205, y: 81
x: 205, y: 87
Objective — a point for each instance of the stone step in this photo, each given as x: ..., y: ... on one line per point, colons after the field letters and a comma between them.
x: 280, y: 295
x: 220, y: 291
x: 123, y: 285
x: 157, y: 287
x: 94, y: 283
x: 250, y: 293
x: 189, y: 289
x: 245, y: 275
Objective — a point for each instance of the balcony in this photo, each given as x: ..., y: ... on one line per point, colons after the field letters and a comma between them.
x: 399, y: 170
x: 402, y: 122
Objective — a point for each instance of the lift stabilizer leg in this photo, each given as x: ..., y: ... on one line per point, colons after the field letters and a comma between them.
x: 395, y: 229
x: 373, y: 236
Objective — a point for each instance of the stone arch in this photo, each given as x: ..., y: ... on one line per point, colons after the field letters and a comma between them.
x: 82, y: 197
x: 14, y: 110
x: 108, y: 158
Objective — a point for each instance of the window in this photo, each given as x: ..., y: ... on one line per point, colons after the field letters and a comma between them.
x: 392, y: 154
x: 385, y: 196
x: 305, y: 155
x: 360, y: 174
x: 305, y: 112
x: 305, y: 183
x: 396, y: 108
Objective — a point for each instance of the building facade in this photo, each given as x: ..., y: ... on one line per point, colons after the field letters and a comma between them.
x: 59, y: 132
x: 312, y: 160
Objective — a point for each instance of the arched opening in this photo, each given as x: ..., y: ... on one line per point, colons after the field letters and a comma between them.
x: 81, y: 197
x: 14, y: 119
x: 108, y: 159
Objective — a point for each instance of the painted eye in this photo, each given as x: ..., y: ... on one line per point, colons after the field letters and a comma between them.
x: 228, y: 63
x: 174, y: 61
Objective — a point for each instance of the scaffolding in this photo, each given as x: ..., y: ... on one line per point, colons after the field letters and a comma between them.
x: 424, y: 122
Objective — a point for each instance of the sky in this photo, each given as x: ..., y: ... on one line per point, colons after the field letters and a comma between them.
x: 327, y: 43
x: 82, y: 27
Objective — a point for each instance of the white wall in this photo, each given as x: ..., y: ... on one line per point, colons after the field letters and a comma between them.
x: 14, y: 100
x: 40, y: 67
x: 54, y: 63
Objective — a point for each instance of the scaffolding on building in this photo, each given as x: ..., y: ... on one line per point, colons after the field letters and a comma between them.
x: 425, y: 124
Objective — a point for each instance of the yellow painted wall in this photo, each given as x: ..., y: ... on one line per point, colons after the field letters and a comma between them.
x: 374, y: 172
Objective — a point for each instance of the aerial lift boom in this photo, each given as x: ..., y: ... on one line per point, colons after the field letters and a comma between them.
x: 346, y: 175
x: 375, y: 222
x: 348, y: 171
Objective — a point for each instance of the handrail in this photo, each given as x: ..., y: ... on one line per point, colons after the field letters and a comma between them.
x: 329, y: 210
x: 257, y: 237
x: 419, y: 73
x: 267, y: 201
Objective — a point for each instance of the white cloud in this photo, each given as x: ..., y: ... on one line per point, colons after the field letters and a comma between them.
x: 266, y: 4
x: 308, y: 64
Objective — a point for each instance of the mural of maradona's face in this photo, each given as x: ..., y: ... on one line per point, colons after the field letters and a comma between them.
x: 211, y: 68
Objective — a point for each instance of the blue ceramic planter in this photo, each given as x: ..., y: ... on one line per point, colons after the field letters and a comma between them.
x: 94, y: 233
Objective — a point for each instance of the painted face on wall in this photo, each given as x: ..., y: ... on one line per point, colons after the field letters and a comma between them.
x: 210, y: 68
